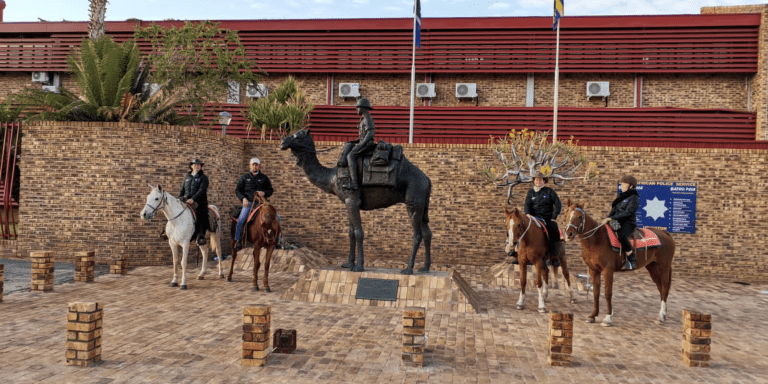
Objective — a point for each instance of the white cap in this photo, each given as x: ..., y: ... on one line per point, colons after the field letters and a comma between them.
x: 255, y: 160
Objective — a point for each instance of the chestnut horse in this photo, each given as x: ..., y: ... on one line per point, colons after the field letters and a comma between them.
x: 601, y: 259
x: 528, y: 239
x: 263, y: 231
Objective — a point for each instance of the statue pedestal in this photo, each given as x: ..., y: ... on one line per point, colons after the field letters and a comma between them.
x: 434, y: 290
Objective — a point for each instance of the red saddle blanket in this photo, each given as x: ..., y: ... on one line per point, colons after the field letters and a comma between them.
x: 251, y: 214
x: 543, y: 226
x: 649, y: 239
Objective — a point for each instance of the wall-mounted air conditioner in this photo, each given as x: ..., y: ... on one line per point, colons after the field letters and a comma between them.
x: 40, y: 77
x: 466, y: 90
x: 54, y: 85
x: 598, y: 89
x: 349, y: 90
x: 425, y: 90
x: 256, y: 90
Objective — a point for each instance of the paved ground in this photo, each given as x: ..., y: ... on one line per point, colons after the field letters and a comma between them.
x: 18, y: 274
x: 154, y: 333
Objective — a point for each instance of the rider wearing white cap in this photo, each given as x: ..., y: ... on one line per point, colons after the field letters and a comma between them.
x: 249, y: 184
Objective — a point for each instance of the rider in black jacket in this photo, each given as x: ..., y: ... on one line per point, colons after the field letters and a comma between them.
x: 194, y: 189
x: 543, y: 202
x: 249, y: 184
x: 624, y: 209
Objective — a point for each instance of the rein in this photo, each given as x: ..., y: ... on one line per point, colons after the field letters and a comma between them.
x: 530, y: 220
x: 327, y: 149
x: 162, y: 204
x: 583, y: 235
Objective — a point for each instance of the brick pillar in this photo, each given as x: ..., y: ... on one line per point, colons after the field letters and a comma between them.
x: 85, y: 266
x: 2, y: 267
x: 42, y: 270
x: 118, y: 266
x: 697, y: 333
x: 414, y: 338
x: 560, y: 338
x: 84, y: 333
x: 256, y: 322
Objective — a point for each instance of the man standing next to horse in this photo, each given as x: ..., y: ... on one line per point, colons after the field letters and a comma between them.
x: 252, y: 183
x: 356, y: 148
x: 543, y: 202
x: 194, y: 189
x: 624, y: 209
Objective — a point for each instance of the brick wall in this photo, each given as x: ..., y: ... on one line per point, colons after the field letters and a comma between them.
x: 698, y: 91
x: 84, y: 184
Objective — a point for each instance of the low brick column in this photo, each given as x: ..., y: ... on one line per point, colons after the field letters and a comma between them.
x: 84, y: 333
x: 118, y: 266
x: 560, y: 339
x: 85, y: 266
x: 256, y: 322
x: 414, y: 338
x: 2, y: 279
x: 697, y: 338
x: 42, y: 270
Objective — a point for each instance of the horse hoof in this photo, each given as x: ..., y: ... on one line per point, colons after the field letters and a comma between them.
x: 221, y: 276
x: 542, y: 310
x: 604, y: 324
x: 255, y: 289
x: 201, y: 277
x: 183, y: 287
x: 590, y: 320
x: 659, y: 322
x: 573, y: 301
x: 174, y: 284
x: 407, y: 272
x: 347, y: 265
x: 424, y: 268
x: 267, y: 289
x: 520, y: 307
x: 358, y: 268
x: 229, y: 279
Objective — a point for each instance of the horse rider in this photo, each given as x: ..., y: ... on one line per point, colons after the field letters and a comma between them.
x: 194, y: 189
x: 356, y: 148
x: 543, y: 202
x: 252, y: 183
x: 623, y: 210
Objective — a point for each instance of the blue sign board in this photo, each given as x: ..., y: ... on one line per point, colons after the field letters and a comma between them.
x: 667, y: 204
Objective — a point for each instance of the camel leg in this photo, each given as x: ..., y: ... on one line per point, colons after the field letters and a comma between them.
x: 567, y: 278
x: 184, y: 255
x: 256, y: 264
x: 416, y: 217
x: 542, y: 277
x: 427, y: 235
x: 351, y: 261
x: 608, y: 275
x: 267, y: 261
x: 353, y: 211
x: 594, y: 275
x: 175, y: 252
x: 523, y: 281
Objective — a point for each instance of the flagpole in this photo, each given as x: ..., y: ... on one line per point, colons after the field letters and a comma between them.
x: 413, y: 78
x: 557, y: 82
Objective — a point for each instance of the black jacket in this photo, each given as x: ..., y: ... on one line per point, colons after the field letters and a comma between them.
x: 250, y: 183
x: 195, y: 187
x: 545, y: 203
x: 625, y: 207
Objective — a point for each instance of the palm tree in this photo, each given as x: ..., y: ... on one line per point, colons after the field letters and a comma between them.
x: 96, y: 23
x: 286, y: 109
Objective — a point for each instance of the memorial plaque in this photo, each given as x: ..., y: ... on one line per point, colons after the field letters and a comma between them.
x: 376, y: 289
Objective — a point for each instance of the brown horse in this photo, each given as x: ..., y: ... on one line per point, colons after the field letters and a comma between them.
x: 526, y: 237
x: 600, y: 258
x: 263, y: 232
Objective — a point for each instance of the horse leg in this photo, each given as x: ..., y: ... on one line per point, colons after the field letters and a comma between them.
x: 267, y: 260
x: 216, y: 245
x: 234, y: 256
x: 351, y: 261
x: 594, y: 275
x: 204, y: 251
x: 353, y: 211
x: 175, y: 252
x: 662, y: 280
x: 427, y: 235
x: 567, y: 278
x: 542, y: 275
x: 523, y: 281
x: 256, y: 263
x: 184, y: 255
x: 608, y: 275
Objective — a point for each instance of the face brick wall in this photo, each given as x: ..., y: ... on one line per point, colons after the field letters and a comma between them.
x: 84, y: 184
x: 696, y: 91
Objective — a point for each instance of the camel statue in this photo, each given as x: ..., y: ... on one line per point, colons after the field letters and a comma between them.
x: 413, y: 188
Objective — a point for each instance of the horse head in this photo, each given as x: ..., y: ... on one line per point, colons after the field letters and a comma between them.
x: 270, y: 227
x: 155, y: 202
x: 575, y: 217
x: 513, y: 221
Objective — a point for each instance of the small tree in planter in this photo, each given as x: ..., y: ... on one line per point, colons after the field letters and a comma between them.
x: 285, y: 110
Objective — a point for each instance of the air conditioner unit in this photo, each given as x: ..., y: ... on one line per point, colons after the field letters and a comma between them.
x: 425, y: 90
x: 153, y: 88
x: 40, y: 77
x: 256, y: 90
x: 55, y: 84
x: 466, y: 90
x: 349, y: 90
x: 598, y: 89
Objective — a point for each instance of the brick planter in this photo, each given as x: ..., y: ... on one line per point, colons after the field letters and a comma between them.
x: 85, y: 266
x: 560, y: 339
x: 414, y: 339
x: 84, y: 333
x: 42, y: 271
x: 697, y: 339
x: 256, y: 322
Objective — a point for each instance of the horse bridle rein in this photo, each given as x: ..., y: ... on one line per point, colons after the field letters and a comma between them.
x: 530, y: 220
x: 580, y: 228
x: 162, y: 204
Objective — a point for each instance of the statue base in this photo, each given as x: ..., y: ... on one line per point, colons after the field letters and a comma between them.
x: 435, y: 290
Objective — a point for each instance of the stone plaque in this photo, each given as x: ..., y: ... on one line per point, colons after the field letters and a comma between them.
x: 376, y: 289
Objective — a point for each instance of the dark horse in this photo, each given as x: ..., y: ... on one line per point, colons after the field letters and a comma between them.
x: 600, y: 258
x: 413, y: 188
x: 263, y: 231
x: 526, y: 237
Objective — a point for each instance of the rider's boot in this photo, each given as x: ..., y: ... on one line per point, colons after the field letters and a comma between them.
x: 555, y: 255
x: 200, y: 236
x: 631, y: 261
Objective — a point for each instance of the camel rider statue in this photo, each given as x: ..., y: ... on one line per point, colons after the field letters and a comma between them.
x: 356, y: 148
x: 543, y: 202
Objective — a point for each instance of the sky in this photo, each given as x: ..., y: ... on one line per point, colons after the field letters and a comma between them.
x: 119, y: 10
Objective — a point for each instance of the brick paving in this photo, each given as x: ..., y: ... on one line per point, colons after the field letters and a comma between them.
x: 154, y: 333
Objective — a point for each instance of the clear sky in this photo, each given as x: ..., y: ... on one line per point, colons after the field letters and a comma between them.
x: 118, y: 10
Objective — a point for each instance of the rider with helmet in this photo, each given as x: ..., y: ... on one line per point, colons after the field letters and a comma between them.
x: 356, y: 148
x: 623, y: 210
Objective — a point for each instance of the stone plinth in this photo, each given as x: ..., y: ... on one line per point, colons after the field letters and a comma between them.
x: 414, y: 340
x: 697, y: 339
x: 283, y: 260
x: 118, y: 266
x: 84, y: 331
x: 42, y: 270
x: 85, y: 266
x: 436, y: 290
x: 506, y: 274
x: 256, y: 322
x: 560, y: 338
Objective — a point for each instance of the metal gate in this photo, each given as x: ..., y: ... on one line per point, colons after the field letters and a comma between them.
x: 9, y: 179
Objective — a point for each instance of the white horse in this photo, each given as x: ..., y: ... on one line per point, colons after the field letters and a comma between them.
x: 179, y: 229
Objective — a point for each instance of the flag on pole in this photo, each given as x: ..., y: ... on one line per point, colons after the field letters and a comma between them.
x: 417, y: 22
x: 558, y: 13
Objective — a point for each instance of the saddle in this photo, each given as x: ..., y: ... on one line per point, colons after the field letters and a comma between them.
x: 640, y: 239
x: 235, y: 213
x: 378, y: 168
x: 213, y: 217
x: 540, y: 223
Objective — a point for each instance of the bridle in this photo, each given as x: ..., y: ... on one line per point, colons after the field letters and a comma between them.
x: 514, y: 245
x: 161, y: 205
x: 580, y: 228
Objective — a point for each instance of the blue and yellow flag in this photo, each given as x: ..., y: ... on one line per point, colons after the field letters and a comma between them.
x: 558, y: 13
x: 417, y: 20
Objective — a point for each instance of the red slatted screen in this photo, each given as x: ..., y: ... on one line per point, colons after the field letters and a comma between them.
x: 636, y: 127
x: 634, y: 44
